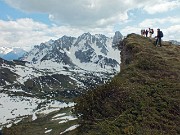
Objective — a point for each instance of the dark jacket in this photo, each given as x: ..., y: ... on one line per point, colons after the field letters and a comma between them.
x: 158, y: 34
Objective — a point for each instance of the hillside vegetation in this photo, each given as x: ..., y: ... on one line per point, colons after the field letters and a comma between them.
x: 142, y: 99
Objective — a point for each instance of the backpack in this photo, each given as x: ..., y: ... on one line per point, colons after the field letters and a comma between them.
x: 152, y: 31
x: 161, y: 34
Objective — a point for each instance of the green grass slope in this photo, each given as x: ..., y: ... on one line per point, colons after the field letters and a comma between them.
x: 143, y: 99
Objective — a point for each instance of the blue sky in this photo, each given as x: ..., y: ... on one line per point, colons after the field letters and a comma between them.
x: 25, y: 23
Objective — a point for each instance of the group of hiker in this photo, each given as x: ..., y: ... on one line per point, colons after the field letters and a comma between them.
x: 151, y: 32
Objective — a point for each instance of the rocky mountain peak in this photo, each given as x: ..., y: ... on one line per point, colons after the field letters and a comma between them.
x: 117, y: 37
x: 95, y: 50
x: 86, y: 35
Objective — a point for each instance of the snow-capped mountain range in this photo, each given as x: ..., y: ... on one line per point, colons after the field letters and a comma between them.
x: 87, y: 52
x: 59, y: 70
x: 11, y: 53
x: 66, y: 63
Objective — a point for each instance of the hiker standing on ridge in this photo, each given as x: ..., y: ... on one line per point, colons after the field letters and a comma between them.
x: 142, y: 32
x: 151, y: 31
x: 146, y: 33
x: 159, y: 36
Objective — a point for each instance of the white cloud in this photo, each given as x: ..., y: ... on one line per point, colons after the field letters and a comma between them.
x: 74, y: 17
x: 172, y: 32
x: 91, y: 13
x: 131, y: 29
x: 161, y: 6
x: 156, y: 22
x: 22, y: 32
x: 77, y: 13
x: 27, y: 32
x: 169, y: 25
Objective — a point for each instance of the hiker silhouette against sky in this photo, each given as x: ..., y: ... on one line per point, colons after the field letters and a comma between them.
x: 158, y: 37
x: 146, y: 33
x: 142, y: 32
x: 151, y: 31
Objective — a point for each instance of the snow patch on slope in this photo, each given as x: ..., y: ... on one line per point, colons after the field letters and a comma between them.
x: 12, y: 107
x: 70, y: 129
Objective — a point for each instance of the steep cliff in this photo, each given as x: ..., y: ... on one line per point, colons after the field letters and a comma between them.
x: 142, y: 99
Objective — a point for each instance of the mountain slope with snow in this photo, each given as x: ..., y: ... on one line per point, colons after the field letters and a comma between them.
x: 65, y: 63
x: 57, y: 70
x: 87, y: 52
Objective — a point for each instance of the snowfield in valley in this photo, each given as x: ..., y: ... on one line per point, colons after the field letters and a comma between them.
x: 14, y: 108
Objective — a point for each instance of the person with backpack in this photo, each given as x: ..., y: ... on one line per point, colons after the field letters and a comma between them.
x: 151, y: 31
x: 158, y: 37
x: 142, y: 32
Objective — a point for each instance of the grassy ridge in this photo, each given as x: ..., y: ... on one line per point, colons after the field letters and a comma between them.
x: 142, y: 99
